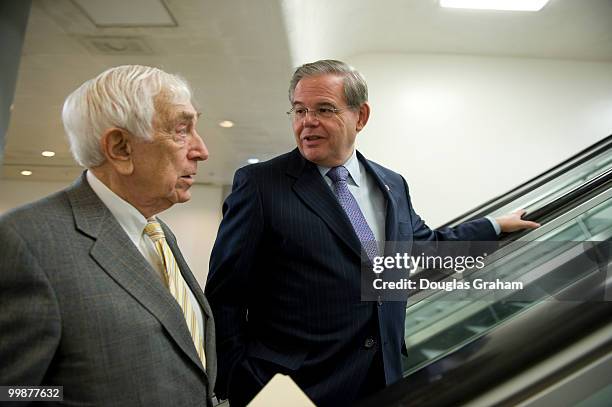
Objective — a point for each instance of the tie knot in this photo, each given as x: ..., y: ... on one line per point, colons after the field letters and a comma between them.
x: 338, y: 174
x: 154, y: 230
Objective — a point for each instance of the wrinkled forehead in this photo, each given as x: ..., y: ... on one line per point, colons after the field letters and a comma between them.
x: 175, y: 95
x: 168, y: 112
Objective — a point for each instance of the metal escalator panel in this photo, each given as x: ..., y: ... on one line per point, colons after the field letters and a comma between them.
x: 547, y: 187
x: 559, y: 186
x: 546, y: 263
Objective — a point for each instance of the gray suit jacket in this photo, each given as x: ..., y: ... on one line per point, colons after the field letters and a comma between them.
x: 80, y: 307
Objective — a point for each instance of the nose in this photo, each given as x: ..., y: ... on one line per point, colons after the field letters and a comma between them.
x: 311, y: 119
x: 198, y: 150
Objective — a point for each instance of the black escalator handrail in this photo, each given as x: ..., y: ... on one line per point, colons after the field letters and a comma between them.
x: 563, y: 203
x: 589, y: 186
x: 484, y: 209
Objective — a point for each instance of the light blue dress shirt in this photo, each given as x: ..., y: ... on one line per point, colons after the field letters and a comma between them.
x: 370, y: 198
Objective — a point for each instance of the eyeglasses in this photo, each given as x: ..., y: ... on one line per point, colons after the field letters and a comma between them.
x: 298, y: 113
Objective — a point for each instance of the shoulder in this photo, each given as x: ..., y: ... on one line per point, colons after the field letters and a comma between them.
x: 53, y: 213
x: 379, y: 169
x: 31, y: 227
x: 271, y: 171
x: 276, y: 164
x: 50, y: 208
x: 384, y: 170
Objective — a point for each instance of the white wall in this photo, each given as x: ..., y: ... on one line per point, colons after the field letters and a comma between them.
x: 194, y: 223
x: 464, y: 129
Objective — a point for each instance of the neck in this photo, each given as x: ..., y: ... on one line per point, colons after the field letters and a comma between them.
x: 118, y: 185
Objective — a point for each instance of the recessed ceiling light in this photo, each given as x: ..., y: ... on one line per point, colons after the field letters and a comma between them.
x: 48, y: 153
x: 226, y: 124
x: 253, y: 160
x: 510, y: 5
x: 26, y: 172
x: 133, y: 13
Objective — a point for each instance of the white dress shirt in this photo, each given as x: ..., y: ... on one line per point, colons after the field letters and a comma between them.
x: 133, y: 223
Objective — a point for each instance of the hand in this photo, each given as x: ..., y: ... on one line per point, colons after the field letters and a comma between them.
x: 513, y: 222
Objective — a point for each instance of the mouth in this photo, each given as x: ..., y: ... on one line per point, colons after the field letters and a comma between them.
x: 189, y: 176
x: 311, y: 138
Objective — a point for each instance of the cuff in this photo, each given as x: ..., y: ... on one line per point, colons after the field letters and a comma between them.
x: 494, y: 224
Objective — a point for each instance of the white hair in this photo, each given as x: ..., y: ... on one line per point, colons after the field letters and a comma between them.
x: 122, y: 97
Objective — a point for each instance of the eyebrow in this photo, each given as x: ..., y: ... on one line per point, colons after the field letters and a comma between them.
x: 316, y: 106
x: 187, y: 116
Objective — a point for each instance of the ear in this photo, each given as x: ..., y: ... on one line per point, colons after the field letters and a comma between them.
x: 364, y: 115
x: 117, y: 148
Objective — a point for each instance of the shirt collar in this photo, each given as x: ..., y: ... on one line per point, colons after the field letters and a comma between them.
x: 352, y: 165
x: 132, y: 221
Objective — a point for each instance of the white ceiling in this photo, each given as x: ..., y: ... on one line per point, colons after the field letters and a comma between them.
x: 238, y: 56
x: 567, y: 29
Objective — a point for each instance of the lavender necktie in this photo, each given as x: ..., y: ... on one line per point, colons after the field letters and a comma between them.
x: 339, y: 175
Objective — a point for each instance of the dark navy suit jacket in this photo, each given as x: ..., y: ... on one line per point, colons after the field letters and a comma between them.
x: 284, y: 283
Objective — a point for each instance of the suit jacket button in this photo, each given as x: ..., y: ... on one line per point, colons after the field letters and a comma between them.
x: 369, y: 343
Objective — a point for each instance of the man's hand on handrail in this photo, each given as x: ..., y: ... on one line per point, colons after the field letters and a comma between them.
x: 513, y: 222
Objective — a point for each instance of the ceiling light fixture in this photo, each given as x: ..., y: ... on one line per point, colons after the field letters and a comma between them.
x: 253, y: 160
x: 506, y: 5
x: 48, y: 153
x: 226, y: 124
x: 133, y: 13
x: 26, y: 172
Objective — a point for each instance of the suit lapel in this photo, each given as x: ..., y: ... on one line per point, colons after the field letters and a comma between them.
x: 384, y: 185
x: 393, y: 193
x: 310, y: 187
x: 120, y: 259
x: 194, y: 286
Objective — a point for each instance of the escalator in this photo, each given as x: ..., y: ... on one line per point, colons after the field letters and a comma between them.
x: 545, y: 188
x: 521, y: 346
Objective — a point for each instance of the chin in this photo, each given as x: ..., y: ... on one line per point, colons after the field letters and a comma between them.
x: 312, y: 156
x: 183, y: 196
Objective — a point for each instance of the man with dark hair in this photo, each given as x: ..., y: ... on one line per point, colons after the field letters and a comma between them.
x: 284, y: 280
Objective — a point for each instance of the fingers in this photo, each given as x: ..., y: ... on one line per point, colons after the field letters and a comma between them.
x: 520, y: 212
x: 512, y: 222
x: 525, y: 224
x: 530, y: 225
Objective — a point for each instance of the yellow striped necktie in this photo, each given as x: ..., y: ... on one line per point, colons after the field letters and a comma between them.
x: 176, y: 284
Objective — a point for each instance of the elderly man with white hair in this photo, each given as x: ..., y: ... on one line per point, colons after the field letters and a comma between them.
x: 95, y: 295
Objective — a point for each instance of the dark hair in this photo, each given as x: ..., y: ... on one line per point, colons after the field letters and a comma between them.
x: 355, y: 86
